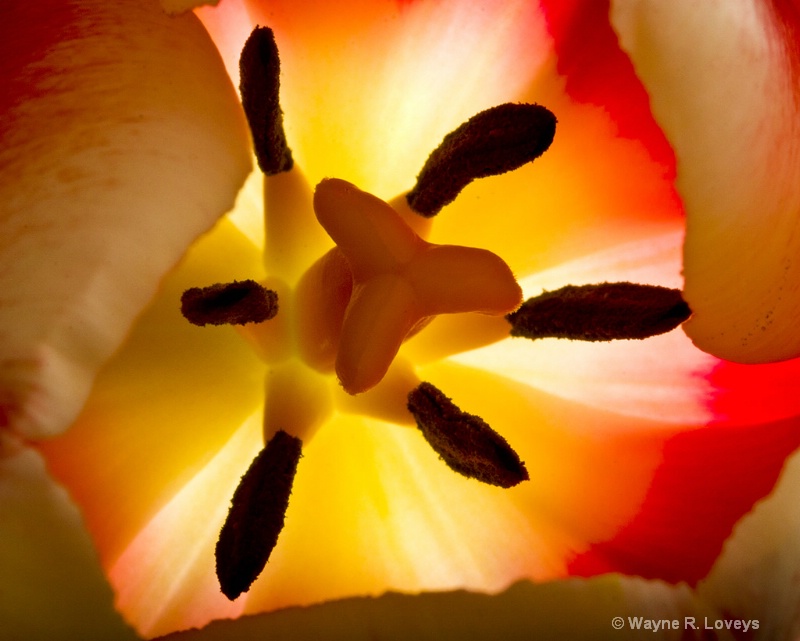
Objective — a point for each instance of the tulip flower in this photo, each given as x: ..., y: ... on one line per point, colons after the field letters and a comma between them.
x: 124, y: 143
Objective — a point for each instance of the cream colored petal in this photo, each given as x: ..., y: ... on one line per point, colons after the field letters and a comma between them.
x: 723, y: 80
x: 122, y: 141
x: 757, y: 576
x: 572, y: 609
x: 53, y: 588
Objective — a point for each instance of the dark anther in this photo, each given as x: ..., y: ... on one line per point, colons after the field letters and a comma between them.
x: 604, y: 312
x: 256, y: 516
x: 259, y: 69
x: 233, y: 303
x: 465, y: 442
x: 492, y: 142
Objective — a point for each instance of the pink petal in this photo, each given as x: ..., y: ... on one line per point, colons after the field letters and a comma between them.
x: 121, y: 141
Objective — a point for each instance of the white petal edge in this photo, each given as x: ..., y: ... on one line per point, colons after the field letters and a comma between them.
x: 724, y: 89
x: 124, y: 141
x: 52, y: 583
x: 757, y: 575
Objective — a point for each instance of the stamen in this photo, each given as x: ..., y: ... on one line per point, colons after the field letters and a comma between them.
x: 492, y: 142
x: 604, y: 312
x: 235, y: 303
x: 259, y: 68
x: 256, y: 516
x: 464, y: 441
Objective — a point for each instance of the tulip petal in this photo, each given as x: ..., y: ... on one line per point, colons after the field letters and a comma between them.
x: 752, y: 394
x: 369, y: 89
x: 723, y: 81
x: 163, y: 405
x: 122, y: 141
x: 572, y: 609
x: 606, y: 179
x: 756, y: 574
x: 53, y: 586
x: 691, y: 506
x: 165, y: 578
x: 174, y: 7
x: 660, y: 379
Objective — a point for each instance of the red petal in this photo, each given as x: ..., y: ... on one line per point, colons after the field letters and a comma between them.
x: 598, y: 72
x: 708, y: 480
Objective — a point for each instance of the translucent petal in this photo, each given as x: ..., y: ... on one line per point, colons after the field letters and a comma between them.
x: 723, y: 81
x: 122, y: 141
x: 370, y: 88
x: 53, y: 586
x: 707, y: 480
x: 366, y: 516
x: 661, y: 379
x: 160, y: 589
x: 607, y: 178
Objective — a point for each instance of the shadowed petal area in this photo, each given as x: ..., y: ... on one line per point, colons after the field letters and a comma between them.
x: 723, y: 82
x: 573, y: 609
x: 121, y: 141
x: 53, y: 586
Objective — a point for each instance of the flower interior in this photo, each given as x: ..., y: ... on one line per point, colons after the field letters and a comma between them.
x: 346, y: 311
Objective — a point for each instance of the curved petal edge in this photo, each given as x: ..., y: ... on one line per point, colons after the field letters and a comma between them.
x: 723, y: 82
x: 121, y: 141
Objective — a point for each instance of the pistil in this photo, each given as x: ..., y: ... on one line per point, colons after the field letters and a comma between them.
x: 399, y: 282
